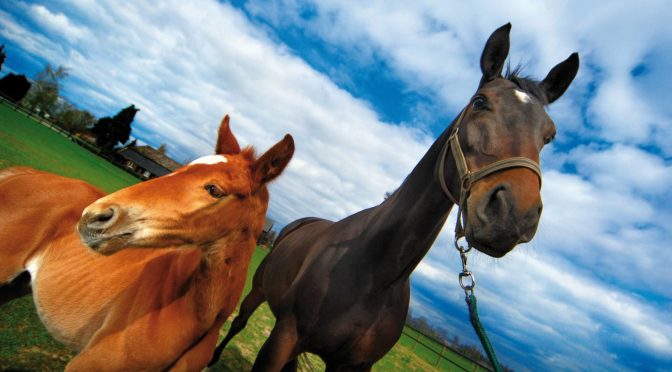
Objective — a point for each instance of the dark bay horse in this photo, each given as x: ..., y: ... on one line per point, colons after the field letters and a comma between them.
x: 119, y: 304
x: 341, y: 289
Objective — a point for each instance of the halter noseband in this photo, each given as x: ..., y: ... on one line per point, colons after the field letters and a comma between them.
x: 469, y: 178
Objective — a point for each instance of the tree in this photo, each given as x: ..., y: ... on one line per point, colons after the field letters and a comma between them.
x: 2, y: 55
x: 163, y: 148
x: 72, y: 119
x: 14, y: 87
x: 112, y: 130
x: 43, y: 94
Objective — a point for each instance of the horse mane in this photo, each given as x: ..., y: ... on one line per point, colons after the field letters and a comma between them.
x: 249, y: 153
x: 526, y: 83
x: 13, y: 171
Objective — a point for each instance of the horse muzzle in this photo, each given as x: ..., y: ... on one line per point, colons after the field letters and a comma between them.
x: 99, y: 228
x: 496, y: 223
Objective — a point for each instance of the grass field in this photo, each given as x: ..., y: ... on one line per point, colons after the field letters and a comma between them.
x: 24, y: 343
x: 25, y: 142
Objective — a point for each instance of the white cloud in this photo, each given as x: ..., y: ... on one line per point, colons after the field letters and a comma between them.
x: 631, y: 120
x: 624, y: 169
x: 433, y: 46
x: 29, y: 41
x: 56, y: 23
x: 614, y: 233
x: 539, y: 299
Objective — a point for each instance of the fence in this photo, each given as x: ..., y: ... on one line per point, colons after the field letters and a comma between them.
x: 439, y: 355
x: 35, y: 116
x: 47, y: 123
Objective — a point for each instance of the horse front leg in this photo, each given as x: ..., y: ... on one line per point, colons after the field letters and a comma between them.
x: 339, y: 368
x: 247, y: 307
x: 291, y: 366
x: 280, y: 349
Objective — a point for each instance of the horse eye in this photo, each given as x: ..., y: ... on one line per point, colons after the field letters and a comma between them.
x: 478, y: 102
x: 214, y: 191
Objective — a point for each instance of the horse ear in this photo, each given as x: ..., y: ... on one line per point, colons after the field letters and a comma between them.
x: 494, y: 54
x: 273, y: 162
x: 226, y: 141
x: 558, y: 80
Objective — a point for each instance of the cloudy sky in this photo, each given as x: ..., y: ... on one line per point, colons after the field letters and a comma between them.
x: 366, y: 88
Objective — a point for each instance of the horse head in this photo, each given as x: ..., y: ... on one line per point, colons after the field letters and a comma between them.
x: 505, y: 120
x: 221, y: 196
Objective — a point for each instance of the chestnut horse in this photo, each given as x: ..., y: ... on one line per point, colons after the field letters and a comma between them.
x: 341, y: 289
x: 138, y: 308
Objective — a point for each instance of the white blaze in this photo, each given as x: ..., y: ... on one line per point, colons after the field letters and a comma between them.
x: 210, y: 159
x: 522, y: 96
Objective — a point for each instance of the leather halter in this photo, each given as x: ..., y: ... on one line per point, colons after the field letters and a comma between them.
x: 469, y: 178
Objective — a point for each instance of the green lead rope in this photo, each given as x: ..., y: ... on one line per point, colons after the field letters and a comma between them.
x: 468, y: 283
x: 480, y: 331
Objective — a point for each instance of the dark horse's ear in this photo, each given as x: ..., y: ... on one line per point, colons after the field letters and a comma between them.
x: 226, y: 141
x: 558, y: 80
x: 273, y: 162
x: 494, y: 54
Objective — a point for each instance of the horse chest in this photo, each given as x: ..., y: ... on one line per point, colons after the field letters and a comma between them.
x: 69, y: 304
x: 75, y: 301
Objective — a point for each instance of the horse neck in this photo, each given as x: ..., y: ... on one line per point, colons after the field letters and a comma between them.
x: 218, y: 281
x: 407, y: 223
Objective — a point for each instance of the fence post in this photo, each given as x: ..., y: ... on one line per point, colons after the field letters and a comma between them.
x: 443, y: 348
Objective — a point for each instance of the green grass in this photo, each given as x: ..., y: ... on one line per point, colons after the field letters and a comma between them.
x: 25, y: 142
x: 25, y: 344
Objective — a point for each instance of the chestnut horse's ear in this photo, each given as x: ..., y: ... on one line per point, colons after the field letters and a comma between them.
x: 494, y: 54
x: 226, y: 141
x: 558, y: 80
x: 273, y: 162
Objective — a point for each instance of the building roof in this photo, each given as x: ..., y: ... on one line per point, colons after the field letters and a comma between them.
x: 158, y: 157
x: 150, y: 159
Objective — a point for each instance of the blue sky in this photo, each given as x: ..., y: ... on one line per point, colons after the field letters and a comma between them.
x: 365, y: 89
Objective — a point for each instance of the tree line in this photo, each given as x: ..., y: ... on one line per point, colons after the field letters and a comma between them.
x: 42, y: 97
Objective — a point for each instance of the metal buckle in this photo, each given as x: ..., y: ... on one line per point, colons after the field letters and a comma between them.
x: 472, y: 279
x: 459, y: 246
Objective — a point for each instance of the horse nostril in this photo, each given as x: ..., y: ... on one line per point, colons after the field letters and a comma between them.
x: 102, y: 220
x: 496, y: 205
x: 104, y: 217
x: 498, y: 202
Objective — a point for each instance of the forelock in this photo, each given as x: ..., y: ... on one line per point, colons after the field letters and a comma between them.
x: 526, y: 83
